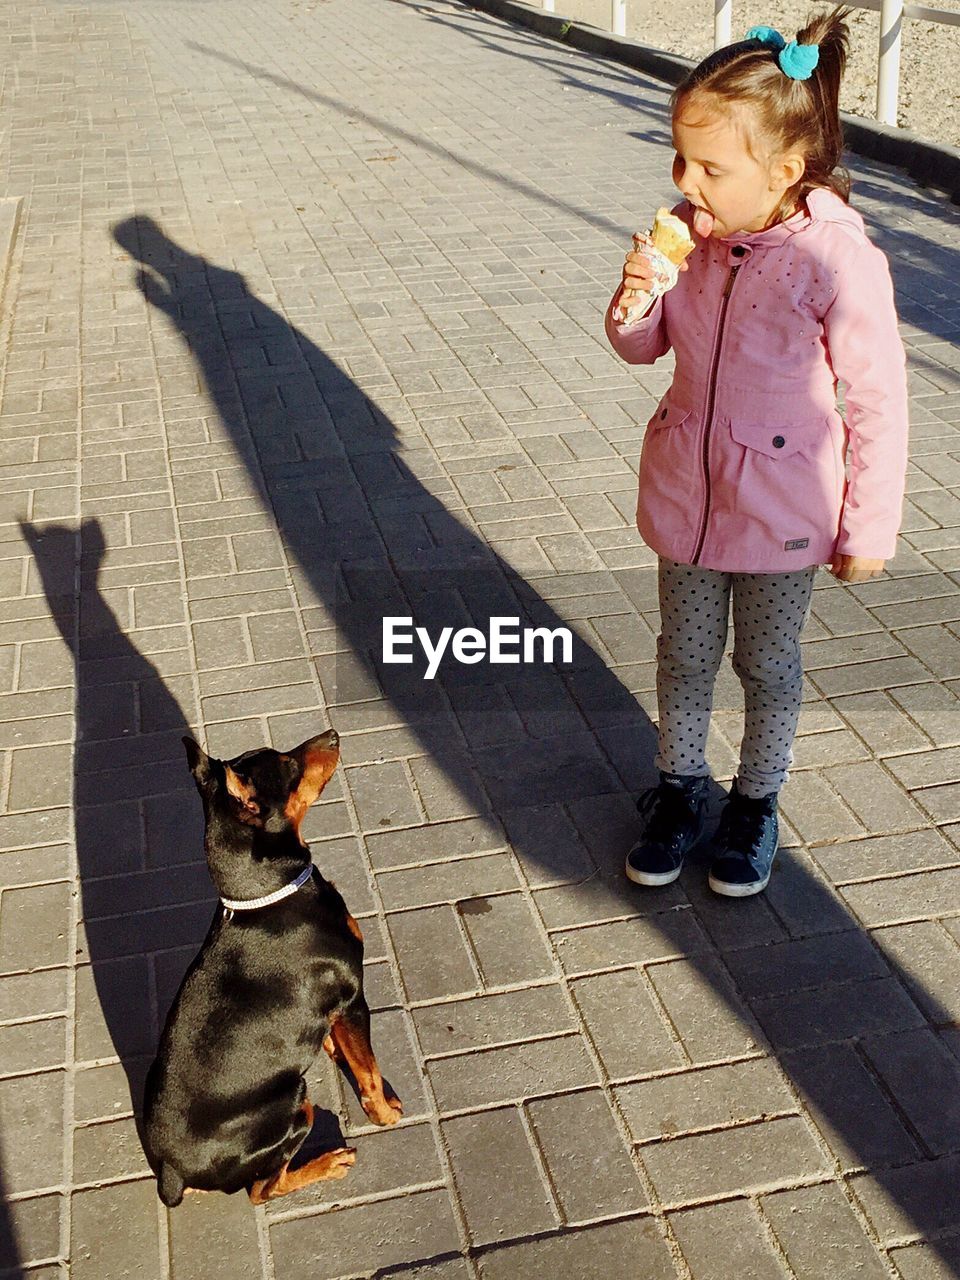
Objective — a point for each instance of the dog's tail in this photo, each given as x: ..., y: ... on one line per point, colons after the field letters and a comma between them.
x: 169, y: 1185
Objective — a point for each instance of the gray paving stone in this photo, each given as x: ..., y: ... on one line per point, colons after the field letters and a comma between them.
x: 480, y: 1146
x: 459, y: 880
x: 922, y: 1076
x: 27, y: 866
x: 912, y: 1198
x: 506, y: 940
x: 927, y: 959
x: 511, y: 1074
x: 448, y: 790
x: 434, y: 957
x: 820, y: 1234
x: 115, y: 984
x: 874, y: 797
x: 434, y: 842
x: 802, y: 898
x: 626, y: 1027
x: 885, y: 855
x: 109, y: 1150
x: 31, y: 1112
x: 686, y: 1101
x: 910, y: 897
x: 103, y: 1092
x: 115, y: 1232
x: 636, y: 1243
x: 22, y: 945
x: 884, y: 673
x: 38, y: 776
x: 383, y: 796
x: 928, y: 1262
x: 496, y: 1019
x: 588, y: 1164
x: 31, y: 995
x: 934, y: 709
x: 748, y: 1158
x: 214, y: 1238
x: 855, y: 1117
x: 814, y: 809
x: 722, y: 1238
x: 29, y: 1046
x: 34, y: 1225
x: 811, y: 962
x: 387, y: 1233
x: 704, y: 1008
x: 636, y: 941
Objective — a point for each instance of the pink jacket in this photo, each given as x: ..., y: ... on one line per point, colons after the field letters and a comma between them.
x: 742, y: 467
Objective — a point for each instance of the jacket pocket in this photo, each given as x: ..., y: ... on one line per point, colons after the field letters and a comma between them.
x: 667, y: 415
x: 780, y: 441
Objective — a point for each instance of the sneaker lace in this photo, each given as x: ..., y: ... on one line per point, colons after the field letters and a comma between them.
x: 666, y: 807
x: 742, y: 826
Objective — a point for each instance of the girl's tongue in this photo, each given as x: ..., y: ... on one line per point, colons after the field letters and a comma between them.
x: 702, y: 223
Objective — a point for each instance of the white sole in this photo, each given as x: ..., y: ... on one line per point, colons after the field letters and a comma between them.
x: 737, y: 890
x: 652, y: 879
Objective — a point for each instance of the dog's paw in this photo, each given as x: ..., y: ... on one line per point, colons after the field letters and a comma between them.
x: 340, y: 1162
x: 384, y: 1110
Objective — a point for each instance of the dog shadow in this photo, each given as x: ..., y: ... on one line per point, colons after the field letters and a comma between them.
x: 146, y: 894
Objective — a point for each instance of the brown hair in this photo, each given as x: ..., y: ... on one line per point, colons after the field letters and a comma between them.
x: 790, y: 115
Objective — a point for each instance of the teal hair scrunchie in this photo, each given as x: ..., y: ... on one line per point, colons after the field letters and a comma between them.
x: 767, y: 36
x: 799, y: 61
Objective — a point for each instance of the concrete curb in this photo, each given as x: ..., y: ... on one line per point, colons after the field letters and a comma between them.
x: 929, y: 163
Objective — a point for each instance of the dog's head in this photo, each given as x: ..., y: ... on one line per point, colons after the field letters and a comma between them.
x: 265, y: 789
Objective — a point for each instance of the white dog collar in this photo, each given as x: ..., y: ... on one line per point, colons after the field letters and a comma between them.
x: 251, y: 904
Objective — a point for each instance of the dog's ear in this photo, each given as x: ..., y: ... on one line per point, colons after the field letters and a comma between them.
x: 317, y: 758
x: 243, y: 792
x: 198, y: 762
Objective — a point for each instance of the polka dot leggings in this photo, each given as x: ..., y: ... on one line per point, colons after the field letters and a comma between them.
x: 769, y: 610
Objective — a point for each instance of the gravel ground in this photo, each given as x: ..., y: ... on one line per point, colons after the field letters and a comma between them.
x: 929, y: 61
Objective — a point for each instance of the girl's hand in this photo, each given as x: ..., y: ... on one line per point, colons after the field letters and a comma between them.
x: 637, y: 271
x: 856, y: 568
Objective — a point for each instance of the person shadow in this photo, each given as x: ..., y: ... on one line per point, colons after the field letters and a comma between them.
x: 549, y: 755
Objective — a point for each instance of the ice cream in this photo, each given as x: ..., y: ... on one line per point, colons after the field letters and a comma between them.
x: 668, y: 244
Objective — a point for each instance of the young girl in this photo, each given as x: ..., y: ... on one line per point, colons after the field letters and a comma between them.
x: 749, y: 476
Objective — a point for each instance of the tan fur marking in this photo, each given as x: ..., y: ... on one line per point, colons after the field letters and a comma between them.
x: 356, y: 1050
x: 332, y: 1164
x: 240, y: 790
x: 354, y: 927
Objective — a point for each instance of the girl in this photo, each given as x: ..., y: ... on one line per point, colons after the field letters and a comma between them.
x: 749, y: 476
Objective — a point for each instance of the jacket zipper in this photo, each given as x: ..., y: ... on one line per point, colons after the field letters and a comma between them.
x: 711, y: 401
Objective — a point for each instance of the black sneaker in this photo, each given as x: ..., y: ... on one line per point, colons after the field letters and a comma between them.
x: 675, y: 813
x: 746, y: 845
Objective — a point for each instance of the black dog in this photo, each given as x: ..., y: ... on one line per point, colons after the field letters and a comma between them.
x: 225, y: 1105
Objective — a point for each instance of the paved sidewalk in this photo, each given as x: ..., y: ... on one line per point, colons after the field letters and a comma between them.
x: 303, y: 327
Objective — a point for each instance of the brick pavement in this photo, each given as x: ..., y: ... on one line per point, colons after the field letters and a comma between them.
x: 303, y: 326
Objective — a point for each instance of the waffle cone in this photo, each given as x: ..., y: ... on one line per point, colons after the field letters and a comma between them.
x: 671, y: 237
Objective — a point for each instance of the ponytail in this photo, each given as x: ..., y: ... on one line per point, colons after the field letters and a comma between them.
x: 829, y: 31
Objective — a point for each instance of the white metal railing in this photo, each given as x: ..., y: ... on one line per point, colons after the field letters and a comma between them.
x: 892, y: 14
